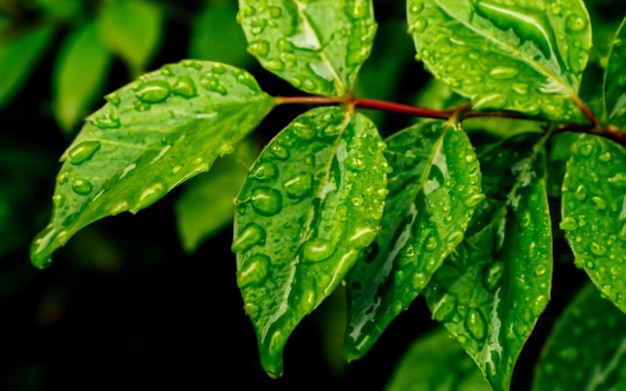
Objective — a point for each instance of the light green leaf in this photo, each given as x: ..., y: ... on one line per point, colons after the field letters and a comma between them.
x: 523, y: 55
x: 436, y: 362
x: 132, y: 30
x: 490, y: 293
x: 318, y: 46
x: 154, y: 134
x: 594, y: 213
x: 587, y: 347
x: 79, y: 74
x: 615, y: 80
x: 311, y: 205
x: 206, y: 204
x: 18, y: 57
x: 433, y: 190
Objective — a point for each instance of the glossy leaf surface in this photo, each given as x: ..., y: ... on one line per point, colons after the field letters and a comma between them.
x: 594, y: 213
x: 437, y: 362
x: 311, y: 205
x: 154, y: 134
x: 433, y: 190
x: 615, y: 80
x: 521, y: 55
x: 317, y: 46
x: 81, y: 69
x: 587, y: 347
x: 490, y: 293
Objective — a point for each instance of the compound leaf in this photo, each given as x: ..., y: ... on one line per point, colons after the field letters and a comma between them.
x: 433, y: 190
x: 615, y: 80
x: 154, y: 134
x: 311, y: 205
x: 317, y: 46
x: 594, y: 213
x: 522, y: 55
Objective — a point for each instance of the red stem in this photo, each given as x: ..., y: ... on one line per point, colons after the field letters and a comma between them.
x: 402, y: 109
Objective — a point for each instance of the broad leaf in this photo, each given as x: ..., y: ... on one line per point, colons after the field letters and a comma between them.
x: 615, y: 80
x: 80, y: 71
x: 310, y: 206
x: 522, y: 55
x: 154, y: 134
x: 433, y: 190
x: 490, y: 293
x: 587, y: 347
x: 436, y: 362
x: 594, y: 213
x: 317, y: 46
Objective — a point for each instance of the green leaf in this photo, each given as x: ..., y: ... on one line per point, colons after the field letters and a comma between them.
x: 154, y: 134
x: 18, y: 57
x: 311, y: 205
x: 132, y: 30
x: 587, y: 347
x: 79, y: 74
x: 433, y: 190
x: 490, y: 293
x: 436, y: 362
x: 206, y: 204
x: 317, y: 46
x: 594, y: 213
x: 615, y: 80
x: 526, y: 56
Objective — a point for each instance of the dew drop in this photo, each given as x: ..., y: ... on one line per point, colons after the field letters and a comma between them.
x: 299, y: 186
x: 82, y: 152
x: 58, y: 200
x: 597, y: 248
x: 259, y: 48
x: 279, y: 151
x: 266, y: 201
x: 431, y: 243
x: 113, y: 98
x: 363, y: 236
x: 355, y: 163
x: 599, y: 202
x: 318, y: 249
x: 492, y: 275
x: 475, y: 324
x: 473, y: 200
x: 153, y: 91
x: 568, y: 224
x: 82, y: 186
x: 605, y: 157
x: 275, y: 12
x: 252, y: 235
x: 184, y: 86
x: 150, y: 195
x: 107, y: 121
x: 62, y: 178
x: 445, y: 310
x: 418, y: 26
x: 540, y: 270
x: 585, y: 149
x: 580, y: 193
x: 503, y: 72
x: 118, y: 208
x: 265, y: 172
x: 575, y: 23
x: 212, y: 83
x: 254, y: 270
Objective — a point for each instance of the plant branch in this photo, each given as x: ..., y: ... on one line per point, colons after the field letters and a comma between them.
x: 402, y: 109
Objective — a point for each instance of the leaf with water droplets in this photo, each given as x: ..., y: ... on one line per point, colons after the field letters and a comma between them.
x: 80, y: 71
x: 522, y: 56
x: 436, y: 362
x: 587, y: 347
x: 594, y: 213
x: 491, y: 291
x: 433, y: 190
x: 155, y: 133
x: 310, y: 206
x: 615, y: 81
x: 317, y: 46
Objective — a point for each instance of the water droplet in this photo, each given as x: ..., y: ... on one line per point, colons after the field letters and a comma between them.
x: 184, y: 86
x: 492, y: 275
x: 597, y: 248
x: 473, y: 200
x: 363, y: 236
x: 254, y: 270
x: 455, y: 237
x: 257, y: 26
x: 568, y: 354
x: 62, y: 178
x: 265, y: 172
x: 299, y: 186
x: 279, y: 151
x: 580, y: 193
x: 266, y: 201
x: 355, y: 163
x: 585, y: 149
x: 107, y: 121
x: 149, y: 196
x: 605, y: 157
x: 575, y: 23
x: 318, y: 249
x: 445, y: 310
x: 568, y: 224
x: 113, y: 98
x: 418, y: 26
x: 275, y: 12
x: 475, y: 324
x: 503, y: 72
x: 358, y: 201
x: 141, y: 106
x: 218, y: 69
x: 58, y: 200
x: 82, y: 186
x: 540, y: 270
x: 252, y: 235
x: 118, y: 208
x: 416, y: 7
x: 82, y: 152
x: 599, y: 202
x: 212, y: 83
x: 259, y: 48
x: 431, y: 243
x: 197, y: 65
x: 520, y: 88
x: 152, y: 91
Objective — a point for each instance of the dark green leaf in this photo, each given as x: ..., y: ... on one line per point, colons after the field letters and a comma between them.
x: 587, y: 347
x: 525, y: 56
x: 317, y: 46
x: 594, y: 213
x: 154, y: 134
x: 434, y: 188
x: 490, y: 293
x: 615, y: 80
x: 311, y: 205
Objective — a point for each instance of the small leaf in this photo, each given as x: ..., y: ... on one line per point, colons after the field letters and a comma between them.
x: 522, y: 56
x: 154, y: 134
x: 490, y: 293
x: 132, y: 30
x: 311, y: 205
x: 615, y: 81
x: 18, y: 57
x: 317, y: 46
x: 79, y: 74
x: 587, y: 347
x: 436, y: 362
x: 433, y: 190
x: 594, y: 213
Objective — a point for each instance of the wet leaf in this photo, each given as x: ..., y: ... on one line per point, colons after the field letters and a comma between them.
x: 491, y: 291
x: 80, y: 71
x: 433, y: 190
x: 526, y: 56
x: 594, y: 213
x: 436, y: 362
x: 317, y: 46
x: 587, y: 347
x: 154, y: 134
x: 615, y: 80
x: 311, y: 205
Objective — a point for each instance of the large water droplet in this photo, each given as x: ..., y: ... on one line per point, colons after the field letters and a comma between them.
x: 153, y: 91
x: 265, y: 172
x: 184, y: 86
x: 318, y: 249
x: 82, y: 186
x: 259, y: 48
x: 492, y: 275
x: 299, y: 186
x: 252, y: 235
x: 254, y: 270
x: 150, y: 195
x: 475, y: 324
x: 568, y: 224
x: 212, y: 83
x: 82, y: 152
x: 363, y: 236
x: 503, y: 72
x: 266, y: 201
